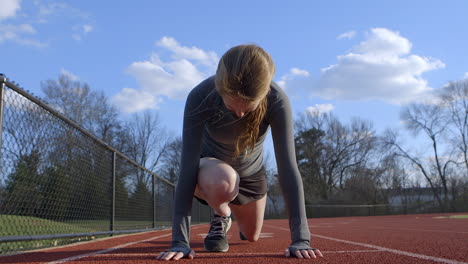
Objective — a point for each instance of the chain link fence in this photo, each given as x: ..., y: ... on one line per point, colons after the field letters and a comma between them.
x: 59, y: 184
x: 276, y: 209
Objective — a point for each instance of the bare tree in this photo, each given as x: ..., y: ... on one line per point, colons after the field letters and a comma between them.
x: 339, y: 148
x: 362, y: 186
x: 87, y: 108
x: 455, y: 100
x: 430, y: 120
x: 148, y: 141
x: 106, y: 125
x: 26, y: 129
x: 433, y: 168
x: 171, y: 160
x: 360, y: 144
x: 393, y: 175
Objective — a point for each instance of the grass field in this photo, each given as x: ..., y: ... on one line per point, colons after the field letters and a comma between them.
x: 454, y: 216
x: 25, y: 225
x: 12, y: 225
x: 459, y: 216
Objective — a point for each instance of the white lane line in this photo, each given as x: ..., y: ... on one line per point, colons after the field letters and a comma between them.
x: 412, y: 229
x: 265, y: 235
x: 352, y: 251
x: 395, y: 251
x: 109, y: 249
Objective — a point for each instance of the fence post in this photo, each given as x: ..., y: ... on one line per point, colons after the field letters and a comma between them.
x: 2, y: 92
x: 154, y: 200
x: 112, y: 213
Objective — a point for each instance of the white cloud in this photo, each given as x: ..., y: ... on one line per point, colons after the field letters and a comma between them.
x: 17, y: 33
x: 299, y: 72
x: 49, y: 9
x: 46, y: 11
x: 130, y: 100
x: 40, y: 12
x: 11, y: 31
x: 347, y: 35
x: 87, y: 28
x: 465, y: 76
x: 70, y: 75
x: 31, y: 42
x: 319, y: 109
x: 381, y: 67
x: 382, y: 42
x: 293, y: 73
x: 209, y: 59
x: 81, y: 31
x: 172, y: 78
x: 9, y: 8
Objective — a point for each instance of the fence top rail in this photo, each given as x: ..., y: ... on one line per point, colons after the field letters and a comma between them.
x: 41, y: 104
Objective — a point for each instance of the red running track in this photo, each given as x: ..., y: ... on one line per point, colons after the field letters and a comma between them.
x: 380, y: 239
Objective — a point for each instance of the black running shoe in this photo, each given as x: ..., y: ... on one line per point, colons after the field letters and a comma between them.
x: 216, y: 240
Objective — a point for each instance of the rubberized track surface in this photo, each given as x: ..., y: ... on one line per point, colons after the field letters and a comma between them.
x: 380, y: 239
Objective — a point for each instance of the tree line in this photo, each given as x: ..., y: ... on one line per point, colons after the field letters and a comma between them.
x: 352, y: 164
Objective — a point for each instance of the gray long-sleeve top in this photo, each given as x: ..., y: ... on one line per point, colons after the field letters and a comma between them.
x: 209, y: 128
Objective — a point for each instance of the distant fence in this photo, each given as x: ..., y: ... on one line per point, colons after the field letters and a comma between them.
x: 317, y: 211
x: 59, y: 183
x: 342, y: 210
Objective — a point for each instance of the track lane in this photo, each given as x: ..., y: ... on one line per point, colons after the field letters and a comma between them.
x: 342, y: 240
x: 419, y: 234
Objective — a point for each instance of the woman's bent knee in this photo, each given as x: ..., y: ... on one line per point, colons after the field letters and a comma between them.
x: 217, y: 180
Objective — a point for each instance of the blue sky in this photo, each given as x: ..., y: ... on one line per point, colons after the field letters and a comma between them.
x: 354, y: 58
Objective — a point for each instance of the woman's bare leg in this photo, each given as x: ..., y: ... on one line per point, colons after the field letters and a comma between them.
x: 249, y: 218
x: 218, y: 184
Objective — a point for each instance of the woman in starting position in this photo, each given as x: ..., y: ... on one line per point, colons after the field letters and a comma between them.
x: 226, y: 120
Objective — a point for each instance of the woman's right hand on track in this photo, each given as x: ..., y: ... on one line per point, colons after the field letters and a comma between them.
x: 175, y: 255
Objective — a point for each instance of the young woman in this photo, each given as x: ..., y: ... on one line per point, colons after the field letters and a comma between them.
x: 226, y: 120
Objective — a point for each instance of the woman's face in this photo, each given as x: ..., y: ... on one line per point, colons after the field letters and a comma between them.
x: 239, y: 106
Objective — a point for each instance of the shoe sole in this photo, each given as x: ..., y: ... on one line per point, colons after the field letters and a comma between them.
x: 224, y: 250
x: 229, y: 225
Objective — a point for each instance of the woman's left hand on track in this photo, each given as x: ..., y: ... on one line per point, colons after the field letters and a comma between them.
x: 305, y: 254
x: 173, y: 255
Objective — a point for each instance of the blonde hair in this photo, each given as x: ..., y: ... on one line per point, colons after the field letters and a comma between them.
x: 245, y: 72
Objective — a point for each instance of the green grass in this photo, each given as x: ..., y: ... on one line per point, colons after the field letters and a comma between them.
x: 12, y: 225
x: 453, y: 216
x: 25, y: 225
x: 459, y: 216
